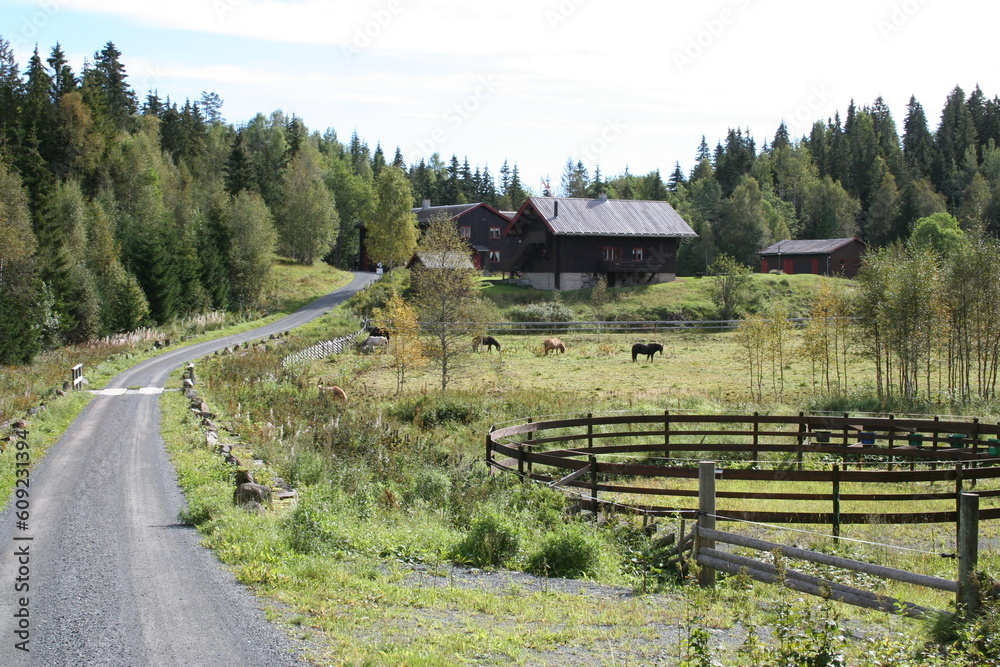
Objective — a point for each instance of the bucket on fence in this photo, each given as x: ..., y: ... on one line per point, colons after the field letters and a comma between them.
x: 956, y: 440
x: 822, y: 436
x: 867, y: 438
x: 993, y: 448
x: 916, y: 439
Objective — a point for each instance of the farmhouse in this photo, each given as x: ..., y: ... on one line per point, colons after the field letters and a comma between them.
x: 822, y: 257
x: 563, y: 243
x: 480, y: 225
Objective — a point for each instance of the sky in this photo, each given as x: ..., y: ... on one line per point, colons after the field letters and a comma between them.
x: 628, y: 84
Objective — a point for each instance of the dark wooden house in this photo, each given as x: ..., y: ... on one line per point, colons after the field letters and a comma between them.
x: 481, y: 225
x: 563, y: 243
x: 822, y: 257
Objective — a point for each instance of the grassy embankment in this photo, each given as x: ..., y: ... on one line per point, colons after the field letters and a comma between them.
x: 390, y: 483
x: 35, y: 385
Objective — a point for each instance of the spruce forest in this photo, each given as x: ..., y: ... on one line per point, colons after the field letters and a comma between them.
x: 118, y: 211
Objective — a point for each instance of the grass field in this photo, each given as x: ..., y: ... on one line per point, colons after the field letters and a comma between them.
x: 394, y: 495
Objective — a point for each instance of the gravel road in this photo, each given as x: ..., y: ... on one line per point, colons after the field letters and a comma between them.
x: 103, y: 573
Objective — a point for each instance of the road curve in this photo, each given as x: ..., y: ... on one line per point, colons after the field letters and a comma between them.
x: 104, y: 574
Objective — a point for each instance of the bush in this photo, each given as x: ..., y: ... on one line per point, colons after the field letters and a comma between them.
x: 574, y: 551
x: 492, y: 540
x: 305, y: 533
x: 551, y: 311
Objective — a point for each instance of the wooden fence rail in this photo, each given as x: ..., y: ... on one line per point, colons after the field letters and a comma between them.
x: 958, y: 454
x: 712, y: 559
x: 323, y: 349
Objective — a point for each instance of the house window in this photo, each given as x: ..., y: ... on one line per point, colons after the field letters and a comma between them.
x: 494, y: 255
x: 494, y: 232
x: 465, y: 232
x: 609, y: 254
x: 637, y: 254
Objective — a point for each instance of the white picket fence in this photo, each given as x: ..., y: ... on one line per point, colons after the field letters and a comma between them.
x: 324, y: 349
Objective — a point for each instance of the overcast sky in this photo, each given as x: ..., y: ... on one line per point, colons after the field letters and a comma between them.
x: 629, y: 83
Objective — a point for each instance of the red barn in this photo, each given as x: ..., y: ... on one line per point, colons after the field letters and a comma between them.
x: 822, y: 257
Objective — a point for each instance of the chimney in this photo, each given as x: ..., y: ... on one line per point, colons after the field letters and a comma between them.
x: 425, y: 203
x: 603, y: 196
x: 556, y: 214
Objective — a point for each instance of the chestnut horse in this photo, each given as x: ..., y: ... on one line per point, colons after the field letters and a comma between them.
x: 550, y: 344
x: 649, y: 349
x: 334, y: 392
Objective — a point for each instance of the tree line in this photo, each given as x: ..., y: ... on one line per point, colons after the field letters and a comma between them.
x: 117, y: 212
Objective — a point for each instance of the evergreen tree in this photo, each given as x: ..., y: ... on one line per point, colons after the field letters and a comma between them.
x: 677, y: 179
x: 239, y: 168
x: 19, y: 287
x: 63, y: 79
x: 515, y: 192
x: 106, y: 89
x: 780, y: 137
x: 955, y: 136
x: 378, y: 160
x: 735, y: 160
x: 10, y: 99
x: 210, y: 105
x: 918, y: 143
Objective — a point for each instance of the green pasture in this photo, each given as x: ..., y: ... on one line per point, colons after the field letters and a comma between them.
x: 394, y: 495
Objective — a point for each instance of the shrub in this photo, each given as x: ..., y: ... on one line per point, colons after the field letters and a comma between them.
x: 550, y: 311
x: 492, y: 540
x: 573, y: 551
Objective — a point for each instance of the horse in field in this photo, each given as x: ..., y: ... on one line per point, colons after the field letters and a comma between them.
x: 649, y: 349
x: 373, y: 342
x: 333, y: 391
x: 489, y: 341
x: 378, y: 332
x: 550, y: 344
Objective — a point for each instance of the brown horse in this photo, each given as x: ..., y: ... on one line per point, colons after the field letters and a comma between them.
x: 489, y: 341
x: 550, y: 344
x: 649, y: 349
x: 334, y: 392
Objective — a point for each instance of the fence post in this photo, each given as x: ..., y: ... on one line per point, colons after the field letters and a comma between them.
x: 958, y: 501
x: 489, y: 447
x: 800, y: 439
x: 520, y: 461
x: 706, y: 518
x: 756, y: 437
x: 593, y: 483
x: 666, y: 433
x: 968, y: 553
x: 190, y: 374
x: 892, y: 437
x: 590, y: 430
x: 77, y: 376
x: 836, y: 503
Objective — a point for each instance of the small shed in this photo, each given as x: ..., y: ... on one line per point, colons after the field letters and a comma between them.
x: 821, y: 257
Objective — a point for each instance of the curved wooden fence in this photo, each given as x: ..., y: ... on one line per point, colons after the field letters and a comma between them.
x: 606, y: 458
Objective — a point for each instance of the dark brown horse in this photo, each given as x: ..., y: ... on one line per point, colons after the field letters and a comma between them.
x: 489, y: 341
x: 649, y: 349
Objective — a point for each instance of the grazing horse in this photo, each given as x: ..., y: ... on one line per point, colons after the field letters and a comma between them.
x: 550, y: 344
x: 649, y: 349
x: 489, y: 341
x: 378, y: 331
x: 373, y: 342
x: 334, y: 392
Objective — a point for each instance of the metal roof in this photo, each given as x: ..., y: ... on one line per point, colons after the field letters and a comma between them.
x: 610, y: 217
x: 807, y: 246
x: 425, y: 213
